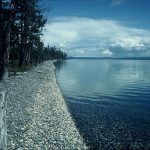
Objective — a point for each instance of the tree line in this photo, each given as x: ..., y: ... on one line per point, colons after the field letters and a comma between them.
x: 21, y: 26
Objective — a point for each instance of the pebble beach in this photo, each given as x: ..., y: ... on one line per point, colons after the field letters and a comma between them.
x: 37, y: 115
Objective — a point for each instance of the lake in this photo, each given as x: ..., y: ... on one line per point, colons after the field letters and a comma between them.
x: 109, y: 100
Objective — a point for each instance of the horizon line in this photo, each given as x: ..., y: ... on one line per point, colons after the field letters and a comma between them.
x: 87, y: 57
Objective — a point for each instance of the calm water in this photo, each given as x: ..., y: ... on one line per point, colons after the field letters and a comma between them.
x: 109, y: 101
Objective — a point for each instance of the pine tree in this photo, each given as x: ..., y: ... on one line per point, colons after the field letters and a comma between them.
x: 21, y: 26
x: 5, y: 21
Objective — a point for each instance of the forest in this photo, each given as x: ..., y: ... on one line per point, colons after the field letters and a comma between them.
x: 21, y: 25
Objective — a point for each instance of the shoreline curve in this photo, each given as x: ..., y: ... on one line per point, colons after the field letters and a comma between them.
x: 37, y: 114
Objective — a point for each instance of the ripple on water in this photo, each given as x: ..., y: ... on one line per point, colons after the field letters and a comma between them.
x: 110, y: 101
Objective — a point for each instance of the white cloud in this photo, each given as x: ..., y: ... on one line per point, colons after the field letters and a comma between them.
x: 96, y: 37
x: 129, y: 43
x: 106, y: 52
x: 117, y: 2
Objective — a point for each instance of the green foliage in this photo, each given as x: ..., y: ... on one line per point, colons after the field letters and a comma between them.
x: 53, y: 53
x: 26, y: 46
x: 21, y: 26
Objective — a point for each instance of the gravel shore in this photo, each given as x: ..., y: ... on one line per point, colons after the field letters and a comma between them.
x: 37, y: 115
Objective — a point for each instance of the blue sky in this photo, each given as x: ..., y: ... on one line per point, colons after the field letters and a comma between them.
x: 99, y: 28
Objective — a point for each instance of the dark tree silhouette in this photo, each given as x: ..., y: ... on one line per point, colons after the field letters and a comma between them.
x: 5, y: 22
x: 21, y: 26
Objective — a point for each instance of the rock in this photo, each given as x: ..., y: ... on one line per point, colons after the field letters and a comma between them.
x: 37, y: 113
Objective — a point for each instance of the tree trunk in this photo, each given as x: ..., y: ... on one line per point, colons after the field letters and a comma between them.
x: 22, y: 45
x: 4, y: 40
x: 4, y: 53
x: 1, y: 44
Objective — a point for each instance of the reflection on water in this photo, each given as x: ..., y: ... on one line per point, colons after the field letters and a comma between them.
x: 109, y: 100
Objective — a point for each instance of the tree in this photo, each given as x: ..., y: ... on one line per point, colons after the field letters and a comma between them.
x: 30, y: 22
x: 21, y: 26
x: 5, y: 21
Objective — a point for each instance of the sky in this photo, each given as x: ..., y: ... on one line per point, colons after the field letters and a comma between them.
x: 99, y: 28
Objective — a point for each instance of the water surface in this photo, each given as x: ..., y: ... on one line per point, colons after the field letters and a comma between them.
x: 109, y: 101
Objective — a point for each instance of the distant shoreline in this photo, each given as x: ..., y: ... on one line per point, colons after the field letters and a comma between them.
x: 117, y: 58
